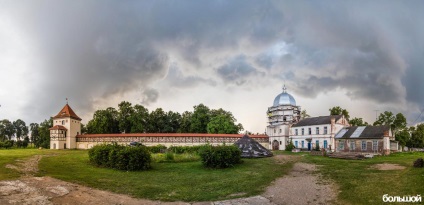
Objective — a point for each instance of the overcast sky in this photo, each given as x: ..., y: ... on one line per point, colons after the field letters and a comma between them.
x: 236, y: 55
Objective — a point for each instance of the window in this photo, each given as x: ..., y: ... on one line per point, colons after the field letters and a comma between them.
x: 77, y: 133
x: 63, y: 122
x: 352, y: 145
x: 316, y: 143
x: 364, y: 145
x: 64, y: 146
x: 280, y: 130
x: 325, y: 144
x: 310, y: 130
x: 303, y: 131
x: 275, y: 130
x: 341, y: 144
x: 280, y: 142
x: 303, y: 144
x: 317, y: 130
x: 325, y: 130
x: 295, y: 132
x: 374, y: 145
x: 296, y: 144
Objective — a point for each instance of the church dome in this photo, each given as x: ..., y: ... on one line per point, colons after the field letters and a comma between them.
x: 284, y: 99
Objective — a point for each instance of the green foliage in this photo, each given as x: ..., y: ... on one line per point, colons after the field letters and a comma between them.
x: 290, y: 146
x: 7, y: 130
x: 139, y: 119
x: 357, y: 122
x: 396, y: 122
x: 157, y: 121
x: 44, y: 134
x: 104, y: 122
x: 21, y: 130
x: 125, y: 111
x: 403, y: 137
x: 7, y: 144
x: 200, y: 119
x: 157, y: 148
x: 417, y: 137
x: 339, y: 111
x: 220, y: 156
x: 120, y: 157
x: 304, y: 114
x: 185, y: 123
x: 185, y: 149
x: 223, y: 124
x: 35, y: 134
x: 169, y: 156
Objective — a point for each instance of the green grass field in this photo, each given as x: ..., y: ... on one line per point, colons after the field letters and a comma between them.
x: 185, y: 181
x: 358, y: 183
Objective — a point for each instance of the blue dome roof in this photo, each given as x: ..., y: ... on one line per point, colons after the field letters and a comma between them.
x: 284, y: 99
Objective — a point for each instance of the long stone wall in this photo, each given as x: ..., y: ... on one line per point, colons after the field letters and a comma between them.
x: 88, y: 141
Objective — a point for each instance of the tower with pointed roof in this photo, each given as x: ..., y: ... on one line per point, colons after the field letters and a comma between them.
x: 281, y: 116
x: 66, y: 126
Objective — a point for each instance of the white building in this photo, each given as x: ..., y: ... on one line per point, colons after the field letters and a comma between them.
x: 66, y: 126
x: 281, y: 116
x: 309, y: 132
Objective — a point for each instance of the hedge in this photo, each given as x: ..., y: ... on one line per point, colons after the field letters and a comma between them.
x: 220, y: 156
x: 120, y: 157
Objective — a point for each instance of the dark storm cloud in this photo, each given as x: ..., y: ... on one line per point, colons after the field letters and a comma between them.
x: 238, y: 71
x: 97, y: 49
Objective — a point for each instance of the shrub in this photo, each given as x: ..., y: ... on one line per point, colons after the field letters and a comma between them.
x: 169, y: 156
x: 290, y: 146
x: 157, y: 148
x: 6, y: 144
x: 185, y: 149
x: 220, y: 156
x: 120, y: 157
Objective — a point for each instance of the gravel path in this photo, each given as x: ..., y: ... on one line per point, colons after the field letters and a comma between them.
x: 301, y: 186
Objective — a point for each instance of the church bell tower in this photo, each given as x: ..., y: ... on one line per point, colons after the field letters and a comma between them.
x: 66, y: 126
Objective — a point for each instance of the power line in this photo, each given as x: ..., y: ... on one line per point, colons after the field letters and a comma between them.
x: 419, y: 117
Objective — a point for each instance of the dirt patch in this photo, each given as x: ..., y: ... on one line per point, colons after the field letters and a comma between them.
x: 282, y: 159
x: 387, y: 166
x: 27, y: 167
x: 301, y: 186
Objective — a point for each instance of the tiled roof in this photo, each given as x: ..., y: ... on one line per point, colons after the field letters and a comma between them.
x: 58, y: 127
x: 170, y: 135
x: 67, y: 112
x: 364, y: 132
x: 317, y: 120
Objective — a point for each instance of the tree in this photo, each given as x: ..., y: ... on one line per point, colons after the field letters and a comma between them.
x: 104, y: 122
x: 339, y: 111
x: 139, y: 120
x: 357, y: 122
x: 35, y: 134
x: 7, y: 130
x: 185, y: 123
x: 44, y: 132
x: 396, y: 123
x: 172, y: 122
x: 417, y: 137
x: 157, y: 121
x: 126, y: 111
x: 304, y: 115
x: 223, y: 124
x: 200, y: 119
x: 403, y: 137
x: 21, y: 130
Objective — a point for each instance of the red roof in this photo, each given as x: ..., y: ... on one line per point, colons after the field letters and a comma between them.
x: 171, y: 135
x: 67, y: 112
x: 58, y: 127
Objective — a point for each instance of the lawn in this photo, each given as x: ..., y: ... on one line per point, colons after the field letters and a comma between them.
x: 182, y: 181
x: 360, y: 184
x: 10, y: 156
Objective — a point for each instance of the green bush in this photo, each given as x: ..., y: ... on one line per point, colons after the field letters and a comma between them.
x: 290, y: 146
x: 157, y: 148
x: 185, y: 149
x: 6, y: 144
x: 220, y: 156
x: 120, y: 157
x: 169, y: 156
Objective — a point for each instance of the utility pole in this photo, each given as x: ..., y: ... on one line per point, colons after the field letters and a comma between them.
x: 376, y: 114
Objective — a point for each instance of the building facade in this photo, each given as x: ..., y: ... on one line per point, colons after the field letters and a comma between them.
x: 366, y: 139
x: 66, y: 134
x: 281, y: 116
x: 309, y: 133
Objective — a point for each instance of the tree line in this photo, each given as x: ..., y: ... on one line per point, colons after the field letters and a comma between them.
x: 39, y: 135
x: 130, y: 118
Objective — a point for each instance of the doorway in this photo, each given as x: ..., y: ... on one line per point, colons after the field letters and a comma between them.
x: 275, y: 145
